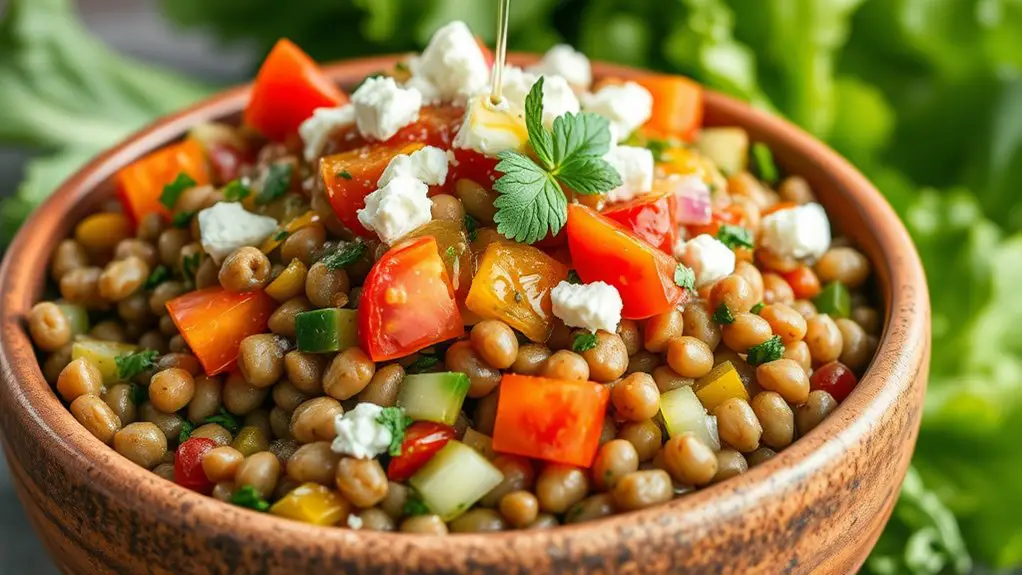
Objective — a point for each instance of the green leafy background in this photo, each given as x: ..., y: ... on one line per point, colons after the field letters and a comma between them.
x: 925, y: 96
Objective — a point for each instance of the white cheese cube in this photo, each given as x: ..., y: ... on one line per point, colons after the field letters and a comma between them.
x: 226, y: 226
x: 558, y: 97
x: 635, y: 166
x: 589, y: 306
x: 428, y: 165
x: 708, y: 257
x: 397, y: 208
x: 490, y: 130
x: 359, y: 434
x: 799, y: 232
x: 627, y: 106
x: 316, y: 130
x: 382, y: 107
x: 562, y: 60
x: 452, y: 67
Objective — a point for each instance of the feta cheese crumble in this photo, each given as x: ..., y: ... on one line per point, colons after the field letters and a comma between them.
x: 382, y: 107
x: 452, y: 67
x: 628, y: 106
x: 359, y: 434
x: 635, y: 166
x: 558, y: 97
x: 708, y: 257
x: 397, y: 208
x: 563, y: 60
x: 354, y: 522
x: 799, y: 232
x: 316, y: 130
x: 490, y: 130
x: 226, y: 226
x: 428, y: 165
x: 589, y: 306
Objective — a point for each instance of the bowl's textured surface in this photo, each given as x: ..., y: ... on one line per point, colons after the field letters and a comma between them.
x: 817, y: 507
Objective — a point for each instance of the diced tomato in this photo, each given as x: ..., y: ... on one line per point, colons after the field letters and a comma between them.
x: 677, y: 106
x: 214, y: 321
x: 730, y: 215
x: 226, y: 161
x: 603, y: 250
x: 471, y: 165
x: 140, y: 184
x: 779, y: 206
x: 437, y: 126
x: 422, y: 440
x: 452, y: 243
x: 648, y: 217
x: 288, y: 88
x: 188, y: 470
x: 803, y: 282
x: 835, y: 378
x: 407, y: 302
x: 552, y: 419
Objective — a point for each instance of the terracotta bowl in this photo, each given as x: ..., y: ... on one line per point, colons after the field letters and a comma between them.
x: 818, y: 507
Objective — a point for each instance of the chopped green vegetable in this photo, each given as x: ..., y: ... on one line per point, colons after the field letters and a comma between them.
x: 327, y: 330
x: 236, y: 191
x: 172, y: 191
x: 434, y: 396
x: 395, y: 420
x: 187, y: 427
x: 770, y: 350
x: 226, y: 419
x: 276, y: 183
x: 281, y: 235
x: 755, y: 309
x: 128, y: 366
x: 763, y: 159
x: 722, y: 315
x: 344, y: 174
x: 834, y: 300
x: 471, y: 227
x: 247, y: 496
x: 684, y: 277
x: 735, y: 237
x: 573, y: 277
x: 159, y: 275
x: 414, y: 505
x: 584, y: 342
x: 139, y: 394
x: 190, y: 266
x: 422, y: 363
x: 182, y: 219
x: 450, y: 253
x: 345, y: 254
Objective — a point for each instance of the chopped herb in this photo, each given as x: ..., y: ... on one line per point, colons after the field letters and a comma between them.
x: 128, y: 366
x: 770, y: 350
x: 182, y: 219
x: 684, y: 277
x: 395, y: 420
x: 402, y: 67
x: 472, y: 227
x: 139, y: 394
x: 276, y: 183
x: 735, y: 237
x: 414, y: 505
x: 235, y: 191
x: 281, y: 235
x: 763, y: 159
x: 723, y: 315
x: 422, y: 363
x: 173, y: 190
x: 584, y: 342
x: 344, y: 174
x: 225, y: 419
x: 186, y: 432
x: 755, y: 309
x: 573, y: 277
x: 344, y: 255
x: 158, y: 276
x: 190, y: 265
x: 248, y: 497
x: 659, y: 149
x: 451, y: 253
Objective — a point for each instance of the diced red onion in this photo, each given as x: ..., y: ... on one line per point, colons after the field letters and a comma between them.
x: 691, y: 202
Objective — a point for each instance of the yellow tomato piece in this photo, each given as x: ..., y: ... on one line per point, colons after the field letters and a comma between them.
x: 290, y: 283
x: 721, y: 384
x: 312, y: 503
x: 485, y: 237
x: 688, y: 162
x: 100, y: 233
x: 280, y: 234
x: 512, y: 284
x: 452, y: 244
x: 102, y: 354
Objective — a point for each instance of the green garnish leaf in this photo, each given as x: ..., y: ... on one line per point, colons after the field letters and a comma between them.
x: 573, y: 277
x: 531, y: 203
x: 159, y: 275
x: 722, y: 315
x: 471, y: 227
x: 450, y: 252
x: 248, y: 497
x: 276, y: 183
x: 755, y: 309
x: 187, y: 427
x: 139, y: 394
x: 190, y: 265
x: 414, y: 505
x: 395, y: 420
x: 584, y: 342
x: 235, y: 191
x: 182, y: 219
x: 344, y: 255
x: 225, y: 419
x: 172, y: 191
x: 763, y: 159
x: 281, y: 235
x: 658, y: 148
x: 128, y: 366
x: 344, y: 174
x: 422, y: 363
x: 770, y: 350
x: 401, y: 67
x: 684, y: 277
x: 735, y: 237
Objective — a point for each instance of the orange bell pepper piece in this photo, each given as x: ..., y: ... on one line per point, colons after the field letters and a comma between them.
x: 677, y: 106
x: 140, y: 184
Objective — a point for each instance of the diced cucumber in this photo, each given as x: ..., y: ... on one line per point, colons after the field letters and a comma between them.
x: 326, y: 330
x: 454, y: 479
x: 727, y: 147
x: 433, y: 396
x: 102, y: 354
x: 684, y: 413
x: 76, y: 316
x: 834, y: 300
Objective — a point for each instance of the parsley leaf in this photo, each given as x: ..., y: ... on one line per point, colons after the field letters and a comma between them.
x: 422, y: 363
x: 159, y: 275
x: 763, y: 159
x: 276, y: 183
x: 235, y: 191
x: 659, y: 149
x: 588, y: 175
x: 755, y: 309
x: 128, y: 366
x: 281, y: 235
x: 344, y: 174
x: 344, y: 255
x: 139, y: 394
x: 584, y: 342
x: 414, y: 505
x: 684, y: 277
x: 172, y: 191
x: 723, y: 315
x: 472, y: 227
x: 542, y: 141
x: 573, y: 277
x: 395, y: 420
x: 735, y: 237
x: 450, y: 253
x: 182, y: 219
x: 531, y: 203
x: 770, y: 350
x: 190, y: 265
x: 187, y: 427
x: 248, y: 497
x: 225, y: 419
x: 579, y: 136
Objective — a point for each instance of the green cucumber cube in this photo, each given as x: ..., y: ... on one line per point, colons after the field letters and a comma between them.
x: 433, y: 396
x: 326, y: 330
x: 454, y: 479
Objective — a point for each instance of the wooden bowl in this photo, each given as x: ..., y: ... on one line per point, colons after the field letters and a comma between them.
x: 818, y: 507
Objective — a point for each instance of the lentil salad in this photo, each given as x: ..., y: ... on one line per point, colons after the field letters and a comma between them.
x: 411, y: 309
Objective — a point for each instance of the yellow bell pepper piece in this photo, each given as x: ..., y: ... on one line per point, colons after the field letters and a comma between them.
x: 281, y: 233
x: 721, y: 384
x: 312, y: 503
x: 290, y: 283
x: 102, y: 354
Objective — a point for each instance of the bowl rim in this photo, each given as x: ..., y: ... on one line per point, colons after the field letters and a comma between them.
x: 899, y: 358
